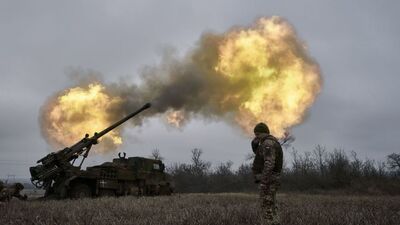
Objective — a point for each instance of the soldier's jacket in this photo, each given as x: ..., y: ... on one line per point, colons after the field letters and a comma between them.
x: 268, y: 159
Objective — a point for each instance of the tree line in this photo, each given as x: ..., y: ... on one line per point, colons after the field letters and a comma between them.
x: 314, y: 171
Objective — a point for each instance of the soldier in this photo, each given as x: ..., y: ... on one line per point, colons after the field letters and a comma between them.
x: 3, y: 192
x: 14, y: 190
x: 1, y: 185
x: 267, y: 166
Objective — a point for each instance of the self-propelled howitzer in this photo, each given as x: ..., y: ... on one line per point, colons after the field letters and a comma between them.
x: 60, y: 165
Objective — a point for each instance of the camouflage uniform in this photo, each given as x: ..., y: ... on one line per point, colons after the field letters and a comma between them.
x: 267, y: 167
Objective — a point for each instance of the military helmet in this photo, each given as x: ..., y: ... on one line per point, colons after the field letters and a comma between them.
x: 261, y: 128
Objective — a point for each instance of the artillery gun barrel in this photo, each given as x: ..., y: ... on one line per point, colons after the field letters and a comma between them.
x: 108, y: 129
x: 56, y: 162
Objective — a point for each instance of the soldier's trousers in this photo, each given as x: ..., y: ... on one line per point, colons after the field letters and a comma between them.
x: 268, y: 204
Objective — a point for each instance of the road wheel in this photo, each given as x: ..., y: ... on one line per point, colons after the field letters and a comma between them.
x: 151, y: 190
x: 80, y: 191
x: 165, y: 190
x: 107, y: 192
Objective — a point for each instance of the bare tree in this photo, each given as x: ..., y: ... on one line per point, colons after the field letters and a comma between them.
x: 320, y: 158
x: 287, y: 140
x: 224, y: 169
x: 381, y: 169
x: 155, y: 154
x: 296, y: 165
x: 199, y: 167
x: 393, y: 161
x: 356, y: 165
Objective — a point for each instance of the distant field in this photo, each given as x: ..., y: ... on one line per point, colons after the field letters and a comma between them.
x: 33, y: 193
x: 229, y: 209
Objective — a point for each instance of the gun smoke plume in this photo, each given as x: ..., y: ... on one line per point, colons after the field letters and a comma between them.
x: 243, y: 76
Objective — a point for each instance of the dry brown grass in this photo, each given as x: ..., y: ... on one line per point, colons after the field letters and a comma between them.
x: 218, y: 209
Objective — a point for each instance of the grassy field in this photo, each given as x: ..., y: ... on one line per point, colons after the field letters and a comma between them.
x: 207, y: 209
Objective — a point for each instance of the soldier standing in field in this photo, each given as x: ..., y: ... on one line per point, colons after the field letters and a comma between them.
x: 267, y: 167
x: 1, y: 185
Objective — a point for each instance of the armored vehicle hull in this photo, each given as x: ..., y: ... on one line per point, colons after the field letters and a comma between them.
x: 57, y: 174
x: 123, y: 176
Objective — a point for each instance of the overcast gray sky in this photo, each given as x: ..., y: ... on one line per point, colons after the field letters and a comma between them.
x: 356, y: 44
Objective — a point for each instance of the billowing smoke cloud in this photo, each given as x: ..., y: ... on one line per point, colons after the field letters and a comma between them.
x: 244, y: 76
